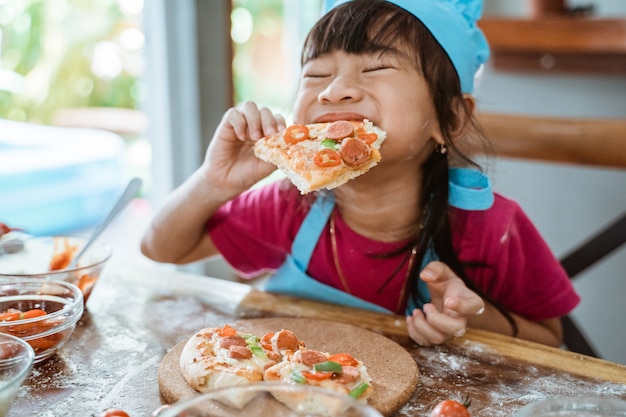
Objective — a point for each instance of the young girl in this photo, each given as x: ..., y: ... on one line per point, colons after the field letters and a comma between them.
x: 421, y: 233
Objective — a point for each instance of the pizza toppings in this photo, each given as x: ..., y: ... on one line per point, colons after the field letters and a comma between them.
x: 359, y: 390
x: 309, y: 357
x: 296, y: 133
x: 239, y: 352
x: 285, y: 340
x: 327, y: 158
x: 368, y: 138
x: 328, y: 366
x: 339, y: 130
x: 344, y: 359
x: 354, y: 152
x: 226, y: 331
x: 323, y: 155
x: 219, y: 357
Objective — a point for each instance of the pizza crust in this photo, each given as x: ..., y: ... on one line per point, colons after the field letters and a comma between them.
x: 206, y: 366
x: 296, y: 160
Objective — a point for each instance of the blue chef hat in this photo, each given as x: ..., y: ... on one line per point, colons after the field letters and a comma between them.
x: 453, y: 24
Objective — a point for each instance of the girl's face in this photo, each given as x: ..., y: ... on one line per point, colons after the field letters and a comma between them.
x: 385, y: 88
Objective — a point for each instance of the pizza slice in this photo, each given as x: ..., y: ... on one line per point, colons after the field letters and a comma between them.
x: 340, y: 373
x: 222, y: 357
x: 323, y: 155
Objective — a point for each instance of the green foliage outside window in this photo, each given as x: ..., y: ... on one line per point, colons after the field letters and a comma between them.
x: 69, y: 53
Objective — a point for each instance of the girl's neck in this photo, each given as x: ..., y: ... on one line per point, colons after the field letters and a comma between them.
x: 386, y: 210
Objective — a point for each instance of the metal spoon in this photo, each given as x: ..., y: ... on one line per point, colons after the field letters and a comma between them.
x: 11, y: 246
x: 129, y: 193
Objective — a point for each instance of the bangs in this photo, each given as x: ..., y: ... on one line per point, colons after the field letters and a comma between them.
x: 362, y: 27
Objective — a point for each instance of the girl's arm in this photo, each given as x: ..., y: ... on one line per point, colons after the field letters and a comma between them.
x: 454, y: 307
x: 177, y: 233
x: 548, y: 332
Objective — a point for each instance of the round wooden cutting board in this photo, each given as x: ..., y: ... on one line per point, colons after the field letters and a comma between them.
x: 393, y: 371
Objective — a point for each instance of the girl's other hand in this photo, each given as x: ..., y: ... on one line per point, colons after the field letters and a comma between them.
x: 451, y: 304
x: 230, y: 160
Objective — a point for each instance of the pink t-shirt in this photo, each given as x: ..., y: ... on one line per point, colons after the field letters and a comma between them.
x: 254, y: 233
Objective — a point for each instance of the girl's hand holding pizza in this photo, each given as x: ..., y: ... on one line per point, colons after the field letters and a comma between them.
x: 446, y: 315
x: 230, y: 160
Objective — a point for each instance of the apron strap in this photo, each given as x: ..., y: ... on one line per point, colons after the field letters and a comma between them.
x: 469, y: 189
x: 311, y: 229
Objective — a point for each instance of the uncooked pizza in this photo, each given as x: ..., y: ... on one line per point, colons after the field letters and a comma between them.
x: 221, y: 357
x: 321, y: 353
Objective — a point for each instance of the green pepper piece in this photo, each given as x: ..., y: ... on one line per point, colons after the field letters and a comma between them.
x: 359, y: 390
x: 329, y: 143
x: 297, y: 377
x: 253, y: 345
x: 258, y: 351
x: 328, y: 366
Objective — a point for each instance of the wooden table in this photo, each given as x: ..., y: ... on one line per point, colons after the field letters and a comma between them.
x: 137, y: 312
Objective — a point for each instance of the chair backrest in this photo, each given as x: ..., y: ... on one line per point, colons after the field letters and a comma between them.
x: 584, y: 141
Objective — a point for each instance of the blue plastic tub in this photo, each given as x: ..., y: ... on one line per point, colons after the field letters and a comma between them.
x: 56, y: 180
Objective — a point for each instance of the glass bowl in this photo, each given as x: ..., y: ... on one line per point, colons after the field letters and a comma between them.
x: 270, y: 399
x: 41, y: 254
x: 574, y: 407
x: 41, y: 312
x: 16, y: 361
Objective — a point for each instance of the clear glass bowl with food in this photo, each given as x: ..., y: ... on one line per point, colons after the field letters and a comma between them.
x: 16, y: 362
x: 574, y: 407
x: 41, y: 312
x: 49, y: 257
x: 270, y: 399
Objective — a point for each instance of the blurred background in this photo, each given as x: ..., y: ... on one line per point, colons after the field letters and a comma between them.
x: 145, y: 84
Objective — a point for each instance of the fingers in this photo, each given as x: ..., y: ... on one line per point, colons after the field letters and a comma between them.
x: 446, y: 316
x: 421, y: 331
x: 249, y: 122
x: 436, y: 272
x: 432, y: 327
x: 470, y: 305
x: 450, y: 292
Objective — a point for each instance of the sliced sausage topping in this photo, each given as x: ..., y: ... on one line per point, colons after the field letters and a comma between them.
x: 339, y: 130
x: 310, y: 357
x: 354, y: 152
x: 239, y: 352
x: 285, y: 340
x: 228, y: 341
x: 349, y: 374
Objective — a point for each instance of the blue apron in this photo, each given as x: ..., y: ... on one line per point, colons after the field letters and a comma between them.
x: 469, y: 190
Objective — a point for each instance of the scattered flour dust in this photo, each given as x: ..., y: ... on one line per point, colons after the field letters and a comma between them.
x: 497, y: 386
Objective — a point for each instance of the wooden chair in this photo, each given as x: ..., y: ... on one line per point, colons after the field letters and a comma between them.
x: 597, y: 142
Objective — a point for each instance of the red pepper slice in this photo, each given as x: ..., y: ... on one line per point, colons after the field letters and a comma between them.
x: 266, y: 341
x: 317, y: 376
x: 226, y: 331
x: 344, y: 359
x: 368, y: 138
x: 327, y: 158
x: 296, y: 133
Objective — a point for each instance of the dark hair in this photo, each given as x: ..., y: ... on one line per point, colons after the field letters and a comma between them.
x: 372, y: 26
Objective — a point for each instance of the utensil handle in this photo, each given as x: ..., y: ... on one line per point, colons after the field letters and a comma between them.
x: 129, y: 193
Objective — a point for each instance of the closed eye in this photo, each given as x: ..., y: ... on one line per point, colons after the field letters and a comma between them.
x: 377, y: 68
x: 315, y: 75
